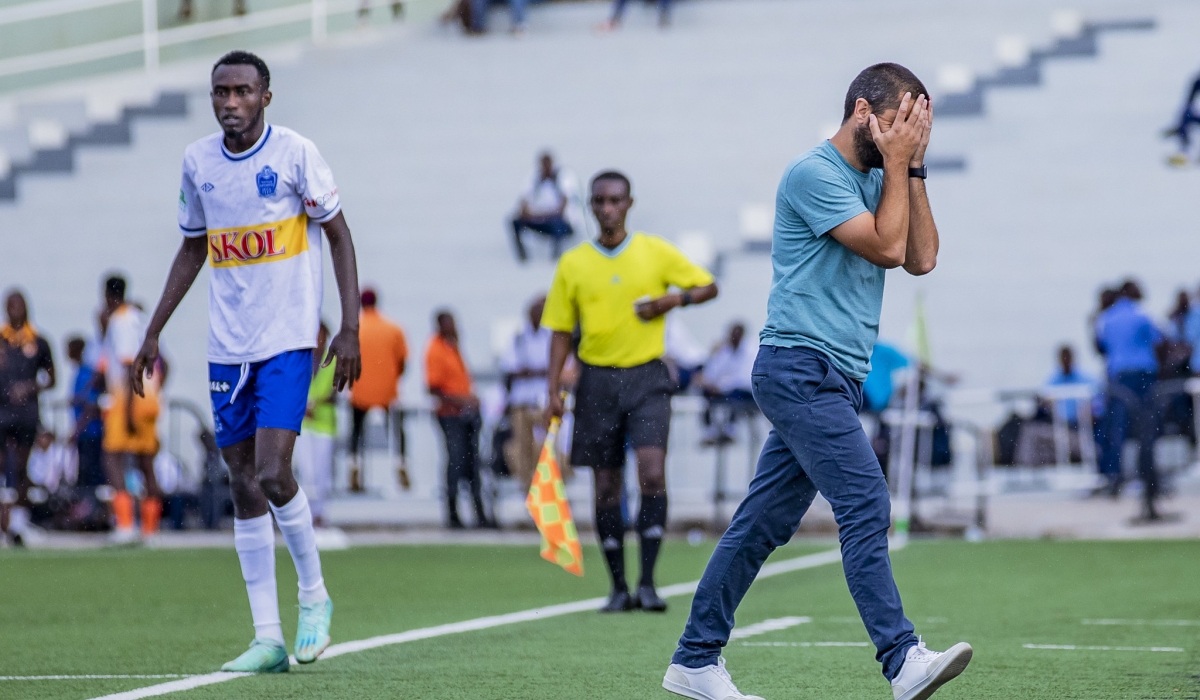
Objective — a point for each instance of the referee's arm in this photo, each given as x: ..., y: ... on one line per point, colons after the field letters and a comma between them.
x: 560, y: 348
x: 657, y: 307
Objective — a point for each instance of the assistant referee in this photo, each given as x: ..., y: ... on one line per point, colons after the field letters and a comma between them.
x: 615, y: 289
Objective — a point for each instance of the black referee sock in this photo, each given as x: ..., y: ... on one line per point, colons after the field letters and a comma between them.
x: 610, y: 530
x: 651, y: 523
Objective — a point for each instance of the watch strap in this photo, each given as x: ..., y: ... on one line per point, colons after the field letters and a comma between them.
x: 921, y: 172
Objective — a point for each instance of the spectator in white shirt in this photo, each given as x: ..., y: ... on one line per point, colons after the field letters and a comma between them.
x: 547, y: 207
x: 725, y: 381
x: 524, y: 367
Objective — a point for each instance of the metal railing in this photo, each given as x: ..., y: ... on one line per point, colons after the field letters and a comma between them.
x: 152, y: 38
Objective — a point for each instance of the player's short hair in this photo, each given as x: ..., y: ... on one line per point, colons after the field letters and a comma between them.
x: 74, y: 342
x: 245, y: 58
x: 114, y: 287
x: 882, y: 86
x: 613, y: 175
x: 369, y: 298
x: 442, y: 313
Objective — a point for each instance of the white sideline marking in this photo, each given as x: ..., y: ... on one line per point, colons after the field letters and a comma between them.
x: 780, y: 623
x: 804, y: 644
x: 1138, y: 623
x: 176, y: 686
x: 94, y: 676
x: 1073, y: 647
x: 808, y: 561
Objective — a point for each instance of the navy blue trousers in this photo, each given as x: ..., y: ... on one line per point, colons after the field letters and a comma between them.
x: 816, y: 444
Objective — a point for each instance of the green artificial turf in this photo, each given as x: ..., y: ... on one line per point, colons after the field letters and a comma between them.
x: 112, y: 612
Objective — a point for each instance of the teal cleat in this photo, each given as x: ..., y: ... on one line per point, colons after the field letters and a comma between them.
x: 263, y: 656
x: 312, y: 632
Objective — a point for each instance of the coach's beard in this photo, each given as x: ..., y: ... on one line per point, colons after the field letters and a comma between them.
x: 865, y: 149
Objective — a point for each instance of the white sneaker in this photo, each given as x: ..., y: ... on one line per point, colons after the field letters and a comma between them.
x: 707, y: 683
x: 924, y: 670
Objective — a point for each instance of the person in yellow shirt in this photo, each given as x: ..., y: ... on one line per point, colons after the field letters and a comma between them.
x: 384, y: 356
x: 616, y: 289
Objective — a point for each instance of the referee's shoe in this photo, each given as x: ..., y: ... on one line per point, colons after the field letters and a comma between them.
x: 647, y: 599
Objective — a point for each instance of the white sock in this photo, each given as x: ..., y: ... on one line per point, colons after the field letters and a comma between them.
x: 254, y: 540
x: 295, y: 522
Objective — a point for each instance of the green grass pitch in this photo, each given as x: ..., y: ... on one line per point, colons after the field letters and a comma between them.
x: 184, y: 612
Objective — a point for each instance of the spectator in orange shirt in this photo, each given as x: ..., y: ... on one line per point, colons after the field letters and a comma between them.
x: 449, y: 382
x: 384, y: 354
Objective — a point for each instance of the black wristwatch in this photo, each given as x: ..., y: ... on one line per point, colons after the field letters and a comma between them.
x: 685, y: 299
x: 921, y: 172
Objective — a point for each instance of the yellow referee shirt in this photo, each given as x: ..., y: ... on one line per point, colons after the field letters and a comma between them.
x: 597, y: 288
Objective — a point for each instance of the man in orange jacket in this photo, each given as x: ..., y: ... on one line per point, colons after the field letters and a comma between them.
x: 384, y: 356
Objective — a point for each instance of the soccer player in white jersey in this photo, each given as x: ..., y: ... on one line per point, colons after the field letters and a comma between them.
x: 254, y: 200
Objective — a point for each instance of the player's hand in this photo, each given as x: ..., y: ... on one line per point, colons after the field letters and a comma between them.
x: 344, y: 347
x: 143, y: 364
x: 556, y: 406
x: 653, y: 308
x: 919, y: 156
x: 899, y: 143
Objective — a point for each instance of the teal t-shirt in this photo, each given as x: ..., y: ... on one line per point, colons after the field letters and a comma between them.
x: 823, y: 296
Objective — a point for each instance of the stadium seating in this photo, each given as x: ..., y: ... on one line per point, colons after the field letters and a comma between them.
x: 432, y: 136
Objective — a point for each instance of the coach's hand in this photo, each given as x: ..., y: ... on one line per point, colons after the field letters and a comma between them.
x: 899, y: 143
x: 918, y: 157
x: 143, y: 364
x: 344, y: 347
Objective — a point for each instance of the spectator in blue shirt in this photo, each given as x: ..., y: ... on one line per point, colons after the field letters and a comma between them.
x: 1128, y: 338
x: 1068, y: 374
x: 879, y: 386
x: 89, y: 429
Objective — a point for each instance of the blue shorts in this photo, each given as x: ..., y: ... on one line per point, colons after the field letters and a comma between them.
x: 272, y: 393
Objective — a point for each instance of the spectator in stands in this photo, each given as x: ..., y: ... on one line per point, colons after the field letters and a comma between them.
x: 1187, y: 117
x: 618, y: 11
x: 185, y: 9
x: 314, y: 446
x: 130, y: 421
x: 449, y: 383
x: 1175, y: 353
x: 524, y: 367
x: 1129, y: 340
x: 544, y: 206
x: 725, y: 382
x: 1191, y: 334
x: 26, y: 370
x: 384, y: 358
x: 85, y: 406
x: 1068, y: 374
x: 879, y: 384
x: 51, y: 464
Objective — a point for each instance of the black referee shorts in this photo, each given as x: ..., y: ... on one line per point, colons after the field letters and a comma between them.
x: 619, y: 406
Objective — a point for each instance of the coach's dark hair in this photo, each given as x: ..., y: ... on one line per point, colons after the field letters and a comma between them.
x: 613, y: 175
x: 245, y: 58
x: 882, y: 85
x: 114, y: 287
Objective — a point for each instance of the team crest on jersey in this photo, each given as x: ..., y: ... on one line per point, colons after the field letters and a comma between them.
x: 207, y: 187
x: 266, y: 179
x: 218, y: 387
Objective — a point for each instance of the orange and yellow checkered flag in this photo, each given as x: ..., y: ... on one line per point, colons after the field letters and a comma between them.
x: 547, y: 504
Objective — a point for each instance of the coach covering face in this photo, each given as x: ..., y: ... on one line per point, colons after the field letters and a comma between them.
x: 845, y: 212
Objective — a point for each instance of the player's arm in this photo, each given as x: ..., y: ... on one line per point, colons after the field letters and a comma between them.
x: 344, y: 345
x: 188, y: 261
x: 560, y: 348
x: 882, y: 238
x: 694, y: 295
